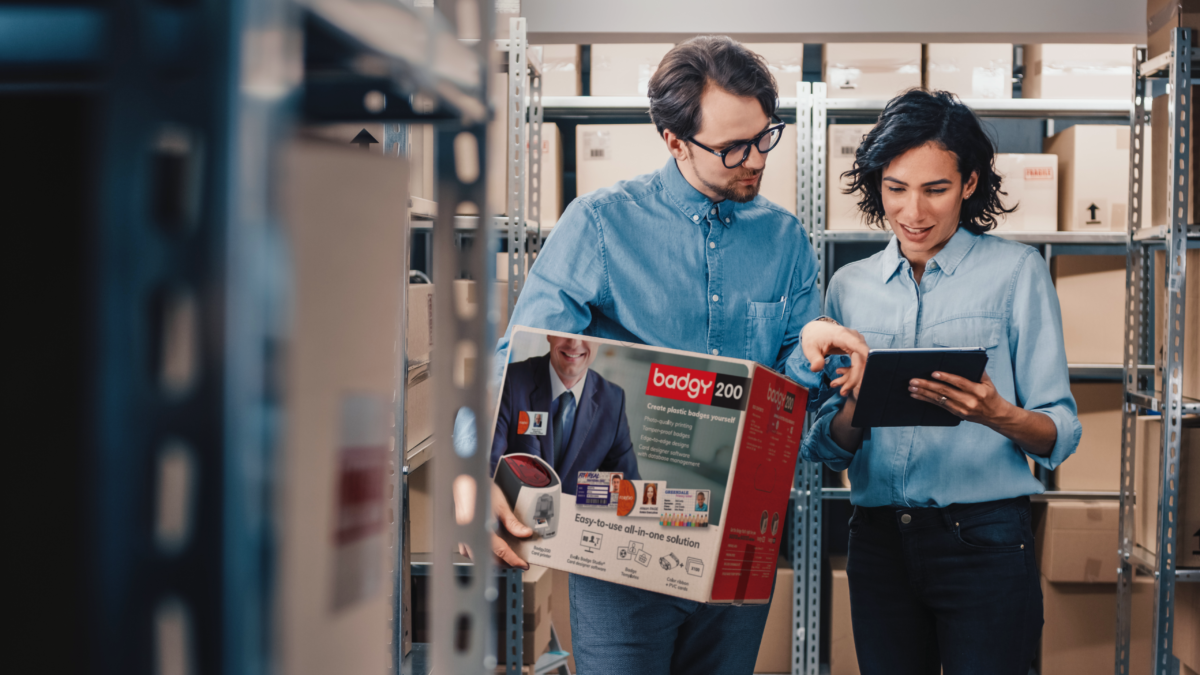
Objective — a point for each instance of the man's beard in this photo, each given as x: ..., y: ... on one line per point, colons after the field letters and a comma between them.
x: 733, y: 190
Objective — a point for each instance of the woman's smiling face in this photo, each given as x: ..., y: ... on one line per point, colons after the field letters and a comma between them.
x: 923, y: 194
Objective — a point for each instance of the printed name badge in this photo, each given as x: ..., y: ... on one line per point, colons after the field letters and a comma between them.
x: 598, y: 488
x: 532, y: 423
x: 684, y: 508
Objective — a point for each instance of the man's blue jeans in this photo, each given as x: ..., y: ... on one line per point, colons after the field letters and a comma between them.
x: 618, y: 629
x: 955, y: 588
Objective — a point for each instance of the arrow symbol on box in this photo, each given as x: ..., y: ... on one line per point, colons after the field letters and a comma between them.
x: 364, y: 139
x: 1093, y: 208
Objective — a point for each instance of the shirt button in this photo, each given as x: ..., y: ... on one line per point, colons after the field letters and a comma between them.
x: 716, y: 351
x: 726, y: 220
x: 906, y: 519
x: 712, y: 244
x: 714, y: 211
x: 695, y: 219
x: 716, y: 298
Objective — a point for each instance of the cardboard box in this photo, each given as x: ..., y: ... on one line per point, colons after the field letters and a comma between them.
x: 550, y: 176
x: 1191, y: 314
x: 497, y: 150
x: 420, y: 323
x: 344, y: 218
x: 625, y: 70
x: 560, y: 613
x: 1091, y: 294
x: 1093, y: 177
x: 1079, y: 634
x: 1077, y: 541
x: 1187, y: 625
x: 716, y: 437
x: 841, y: 210
x: 610, y: 153
x: 871, y: 70
x: 970, y: 70
x: 502, y: 271
x: 418, y: 407
x: 1147, y: 481
x: 422, y: 181
x: 561, y: 74
x: 1031, y: 184
x: 1078, y: 71
x: 785, y: 60
x: 843, y: 660
x: 420, y: 510
x: 537, y: 585
x: 1163, y: 16
x: 1096, y: 464
x: 466, y: 301
x: 775, y: 650
x: 1159, y: 185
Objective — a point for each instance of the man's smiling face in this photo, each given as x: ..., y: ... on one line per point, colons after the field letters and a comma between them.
x: 571, y: 358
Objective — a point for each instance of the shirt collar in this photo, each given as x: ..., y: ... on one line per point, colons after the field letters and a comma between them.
x: 557, y: 388
x: 690, y: 201
x: 947, y: 259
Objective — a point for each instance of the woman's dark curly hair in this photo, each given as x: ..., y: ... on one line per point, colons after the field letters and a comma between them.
x: 911, y: 120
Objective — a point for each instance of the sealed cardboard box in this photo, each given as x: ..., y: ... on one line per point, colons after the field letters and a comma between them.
x: 1191, y: 314
x: 418, y: 407
x: 1079, y: 634
x: 1163, y: 16
x: 625, y: 70
x: 1091, y: 295
x: 1031, y: 182
x: 1093, y: 177
x: 609, y: 153
x: 420, y: 510
x: 1159, y: 184
x: 561, y: 74
x: 1078, y: 71
x: 871, y: 70
x: 420, y: 322
x: 676, y: 475
x: 344, y: 216
x: 1096, y: 464
x: 1148, y: 479
x: 537, y: 585
x: 550, y: 178
x: 1077, y: 541
x: 971, y: 70
x: 841, y: 210
x: 775, y: 650
x: 842, y: 658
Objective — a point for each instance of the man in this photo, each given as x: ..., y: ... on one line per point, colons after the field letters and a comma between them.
x: 588, y: 427
x: 688, y: 257
x: 700, y: 505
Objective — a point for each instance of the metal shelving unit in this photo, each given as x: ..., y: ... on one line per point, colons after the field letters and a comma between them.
x: 1175, y: 66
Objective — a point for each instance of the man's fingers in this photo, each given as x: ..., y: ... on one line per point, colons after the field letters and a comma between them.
x: 463, y: 549
x: 515, y: 527
x: 506, y: 555
x: 505, y: 516
x: 815, y: 355
x: 853, y: 376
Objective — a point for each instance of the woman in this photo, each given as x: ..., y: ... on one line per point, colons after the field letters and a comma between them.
x: 941, y: 562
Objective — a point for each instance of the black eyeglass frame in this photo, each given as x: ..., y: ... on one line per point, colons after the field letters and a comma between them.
x: 752, y: 143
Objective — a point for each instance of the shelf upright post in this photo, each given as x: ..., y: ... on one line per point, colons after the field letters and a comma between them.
x: 801, y: 497
x: 461, y: 627
x: 1135, y: 347
x: 819, y: 127
x: 1179, y: 113
x: 536, y: 114
x: 518, y: 155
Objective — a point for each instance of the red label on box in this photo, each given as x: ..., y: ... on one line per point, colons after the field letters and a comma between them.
x: 681, y: 384
x: 1039, y: 173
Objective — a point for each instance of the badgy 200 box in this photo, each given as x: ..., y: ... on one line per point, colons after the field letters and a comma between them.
x: 653, y: 468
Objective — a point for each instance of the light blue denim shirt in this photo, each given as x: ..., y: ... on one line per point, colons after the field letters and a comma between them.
x: 978, y: 291
x: 652, y: 260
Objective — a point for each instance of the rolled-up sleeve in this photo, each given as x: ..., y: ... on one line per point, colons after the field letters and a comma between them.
x: 1039, y: 358
x: 818, y: 444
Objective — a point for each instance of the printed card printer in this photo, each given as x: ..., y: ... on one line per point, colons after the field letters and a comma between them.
x: 532, y: 490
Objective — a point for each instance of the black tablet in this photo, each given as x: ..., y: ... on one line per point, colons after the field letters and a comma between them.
x: 884, y: 399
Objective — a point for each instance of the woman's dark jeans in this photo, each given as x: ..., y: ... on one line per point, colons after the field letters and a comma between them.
x: 954, y: 588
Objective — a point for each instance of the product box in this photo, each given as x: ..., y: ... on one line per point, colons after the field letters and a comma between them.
x: 1031, y: 183
x: 677, y: 473
x: 1147, y: 481
x: 775, y: 650
x: 1096, y: 464
x: 561, y: 74
x: 625, y: 69
x: 843, y: 660
x: 1159, y: 185
x: 343, y: 213
x: 1191, y: 315
x: 972, y: 71
x: 537, y: 584
x: 609, y: 153
x: 1079, y: 633
x: 1091, y: 295
x: 420, y: 323
x: 871, y: 70
x: 1078, y: 71
x: 841, y: 210
x: 1093, y: 176
x: 1077, y: 541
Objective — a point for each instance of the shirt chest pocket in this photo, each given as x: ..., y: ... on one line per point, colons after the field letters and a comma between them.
x: 970, y: 332
x: 765, y: 322
x: 878, y: 339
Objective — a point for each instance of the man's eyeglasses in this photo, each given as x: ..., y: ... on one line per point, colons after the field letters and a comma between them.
x: 736, y: 154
